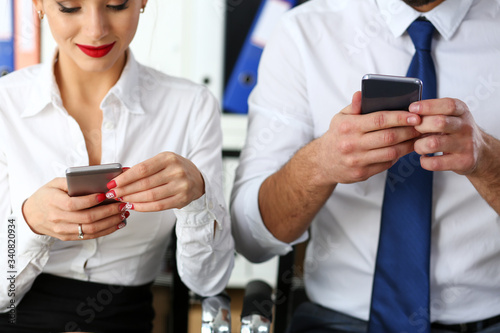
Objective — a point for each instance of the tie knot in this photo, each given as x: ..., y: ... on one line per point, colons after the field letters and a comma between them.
x: 421, y: 33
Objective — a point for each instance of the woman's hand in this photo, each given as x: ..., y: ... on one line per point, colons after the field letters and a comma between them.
x: 163, y: 182
x: 51, y: 211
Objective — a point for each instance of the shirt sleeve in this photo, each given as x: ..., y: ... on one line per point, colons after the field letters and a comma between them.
x: 279, y: 125
x: 205, y: 247
x: 25, y: 253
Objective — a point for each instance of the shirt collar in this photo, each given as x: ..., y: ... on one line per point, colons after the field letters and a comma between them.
x: 125, y: 91
x: 446, y: 17
x: 46, y: 90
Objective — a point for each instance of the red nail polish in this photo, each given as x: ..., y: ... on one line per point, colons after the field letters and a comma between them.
x: 111, y: 194
x: 121, y: 225
x: 111, y: 184
x: 101, y: 197
x: 129, y: 206
x: 127, y: 214
x: 119, y: 199
x: 125, y: 168
x: 122, y: 207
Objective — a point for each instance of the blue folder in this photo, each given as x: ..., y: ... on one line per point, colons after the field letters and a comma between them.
x: 7, y: 37
x: 244, y: 75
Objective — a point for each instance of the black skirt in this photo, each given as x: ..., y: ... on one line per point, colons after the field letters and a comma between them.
x: 56, y: 304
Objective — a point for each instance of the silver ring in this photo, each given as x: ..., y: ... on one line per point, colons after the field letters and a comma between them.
x: 80, y: 232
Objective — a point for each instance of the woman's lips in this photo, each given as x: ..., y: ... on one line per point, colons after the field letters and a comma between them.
x: 96, y: 52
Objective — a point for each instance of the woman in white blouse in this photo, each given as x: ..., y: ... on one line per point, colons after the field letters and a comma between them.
x: 94, y: 104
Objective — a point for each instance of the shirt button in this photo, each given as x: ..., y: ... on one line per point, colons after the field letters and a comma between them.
x: 109, y: 125
x: 210, y: 205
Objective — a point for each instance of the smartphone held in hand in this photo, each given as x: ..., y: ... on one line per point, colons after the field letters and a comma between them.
x: 388, y: 92
x: 91, y: 179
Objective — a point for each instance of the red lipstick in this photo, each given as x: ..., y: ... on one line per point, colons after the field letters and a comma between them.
x: 96, y: 51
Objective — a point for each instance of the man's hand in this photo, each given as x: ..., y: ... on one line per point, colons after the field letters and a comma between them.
x: 448, y: 127
x: 354, y: 148
x: 357, y: 146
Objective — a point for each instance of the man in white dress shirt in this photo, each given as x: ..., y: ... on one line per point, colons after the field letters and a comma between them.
x: 313, y: 167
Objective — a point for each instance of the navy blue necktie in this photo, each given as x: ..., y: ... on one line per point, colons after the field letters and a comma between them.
x: 400, y: 297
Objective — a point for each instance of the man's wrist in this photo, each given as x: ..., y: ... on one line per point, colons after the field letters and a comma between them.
x: 312, y: 160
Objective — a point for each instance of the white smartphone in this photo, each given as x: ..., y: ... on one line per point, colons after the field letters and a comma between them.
x: 91, y: 179
x: 388, y: 92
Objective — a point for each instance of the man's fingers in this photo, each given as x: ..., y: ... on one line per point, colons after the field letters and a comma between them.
x: 447, y: 162
x: 356, y: 103
x: 355, y: 106
x: 441, y: 106
x: 360, y: 167
x: 388, y: 119
x: 388, y: 137
x: 440, y: 124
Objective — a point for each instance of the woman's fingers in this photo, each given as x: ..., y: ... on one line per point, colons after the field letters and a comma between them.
x: 165, y: 181
x: 68, y: 231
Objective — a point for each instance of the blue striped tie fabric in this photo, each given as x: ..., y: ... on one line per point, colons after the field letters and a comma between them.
x: 400, y: 297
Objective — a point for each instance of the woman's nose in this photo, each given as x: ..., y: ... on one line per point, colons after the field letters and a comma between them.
x: 96, y: 24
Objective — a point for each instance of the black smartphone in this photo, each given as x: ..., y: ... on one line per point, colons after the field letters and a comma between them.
x: 388, y: 92
x: 91, y: 179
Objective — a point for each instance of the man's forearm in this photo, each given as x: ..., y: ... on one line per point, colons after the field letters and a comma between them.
x: 290, y: 198
x: 486, y: 177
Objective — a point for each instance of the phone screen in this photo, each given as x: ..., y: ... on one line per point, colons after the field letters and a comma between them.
x: 387, y: 92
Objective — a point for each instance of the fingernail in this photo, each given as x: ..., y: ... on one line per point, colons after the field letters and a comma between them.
x: 415, y: 107
x: 121, y: 225
x: 111, y: 194
x: 122, y: 207
x: 101, y: 197
x: 125, y: 168
x: 412, y: 120
x: 119, y: 199
x: 124, y: 215
x: 129, y: 206
x: 111, y: 184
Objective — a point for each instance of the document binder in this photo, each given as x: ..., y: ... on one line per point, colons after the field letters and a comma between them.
x: 244, y: 75
x: 6, y: 37
x: 26, y: 34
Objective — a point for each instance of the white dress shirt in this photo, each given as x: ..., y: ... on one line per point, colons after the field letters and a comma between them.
x: 308, y: 73
x: 145, y: 113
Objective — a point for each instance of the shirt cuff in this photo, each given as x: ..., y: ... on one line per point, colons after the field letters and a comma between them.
x: 256, y: 225
x: 201, y: 211
x: 29, y: 242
